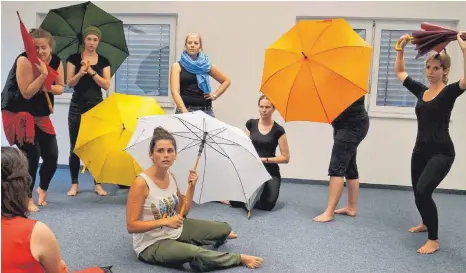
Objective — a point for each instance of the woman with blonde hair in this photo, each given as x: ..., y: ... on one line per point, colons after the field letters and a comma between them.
x: 434, y: 153
x: 189, y: 79
x: 26, y: 113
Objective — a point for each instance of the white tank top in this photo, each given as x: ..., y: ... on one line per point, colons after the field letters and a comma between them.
x: 159, y: 202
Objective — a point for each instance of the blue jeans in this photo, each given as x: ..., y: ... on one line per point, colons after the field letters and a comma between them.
x: 208, y: 110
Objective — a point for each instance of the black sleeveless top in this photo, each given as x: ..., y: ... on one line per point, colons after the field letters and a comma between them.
x: 190, y: 92
x: 13, y: 100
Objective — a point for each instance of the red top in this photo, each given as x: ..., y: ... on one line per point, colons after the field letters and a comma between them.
x: 16, y: 246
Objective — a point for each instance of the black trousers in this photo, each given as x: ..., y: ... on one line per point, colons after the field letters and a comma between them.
x: 45, y: 146
x: 74, y: 121
x: 427, y: 171
x: 268, y: 198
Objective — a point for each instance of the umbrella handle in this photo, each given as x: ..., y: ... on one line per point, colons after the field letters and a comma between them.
x: 49, y: 103
x: 190, y: 185
x: 397, y: 45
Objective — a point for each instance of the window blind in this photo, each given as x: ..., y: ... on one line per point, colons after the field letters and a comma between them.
x: 146, y: 70
x: 390, y: 91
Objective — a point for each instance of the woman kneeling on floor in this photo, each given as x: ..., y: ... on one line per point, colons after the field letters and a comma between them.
x: 163, y: 237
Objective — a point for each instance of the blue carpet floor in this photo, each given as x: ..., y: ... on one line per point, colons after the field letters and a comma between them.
x: 91, y: 231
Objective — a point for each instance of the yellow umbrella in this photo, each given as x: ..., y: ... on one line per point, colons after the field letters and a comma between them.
x: 316, y: 70
x: 105, y: 131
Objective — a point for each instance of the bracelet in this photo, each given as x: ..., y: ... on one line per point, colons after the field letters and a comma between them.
x: 95, y: 73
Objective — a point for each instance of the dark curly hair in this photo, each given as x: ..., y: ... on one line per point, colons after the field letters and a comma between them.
x: 16, y: 183
x: 160, y: 134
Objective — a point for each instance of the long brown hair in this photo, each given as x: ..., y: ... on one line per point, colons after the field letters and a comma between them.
x: 16, y: 183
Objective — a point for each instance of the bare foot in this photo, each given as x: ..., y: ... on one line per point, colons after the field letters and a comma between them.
x: 323, y: 218
x: 232, y: 235
x: 73, y: 191
x: 418, y: 228
x: 100, y: 191
x: 346, y: 211
x: 225, y: 202
x: 42, y: 197
x: 32, y: 207
x: 429, y: 247
x: 251, y: 261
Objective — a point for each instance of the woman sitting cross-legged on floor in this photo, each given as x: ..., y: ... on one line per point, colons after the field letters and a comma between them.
x: 28, y: 246
x: 163, y: 237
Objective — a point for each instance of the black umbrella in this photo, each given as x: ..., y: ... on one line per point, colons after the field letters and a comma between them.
x: 68, y: 23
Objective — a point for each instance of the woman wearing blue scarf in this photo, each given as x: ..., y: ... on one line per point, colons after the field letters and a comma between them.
x: 189, y: 79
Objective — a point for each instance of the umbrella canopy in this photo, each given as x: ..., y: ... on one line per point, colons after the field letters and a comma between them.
x: 105, y: 131
x: 68, y: 23
x: 316, y: 70
x: 431, y: 37
x: 229, y: 167
x: 31, y: 53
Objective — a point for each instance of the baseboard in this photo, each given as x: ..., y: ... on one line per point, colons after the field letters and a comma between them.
x: 362, y: 185
x: 371, y: 186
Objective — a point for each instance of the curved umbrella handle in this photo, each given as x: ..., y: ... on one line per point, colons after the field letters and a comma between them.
x: 397, y: 45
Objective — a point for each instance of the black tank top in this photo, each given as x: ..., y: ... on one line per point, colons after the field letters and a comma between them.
x: 13, y: 100
x: 190, y: 92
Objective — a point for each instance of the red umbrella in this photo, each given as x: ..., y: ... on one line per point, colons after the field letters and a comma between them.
x: 431, y: 37
x: 32, y: 57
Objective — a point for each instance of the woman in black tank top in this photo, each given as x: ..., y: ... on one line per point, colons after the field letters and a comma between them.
x: 188, y: 92
x: 87, y: 73
x: 25, y: 112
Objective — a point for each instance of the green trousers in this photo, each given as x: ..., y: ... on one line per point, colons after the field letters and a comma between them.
x: 186, y: 249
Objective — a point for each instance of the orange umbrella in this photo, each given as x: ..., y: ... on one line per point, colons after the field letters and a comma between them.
x: 316, y: 70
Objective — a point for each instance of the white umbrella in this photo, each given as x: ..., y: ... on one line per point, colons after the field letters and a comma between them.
x: 229, y: 167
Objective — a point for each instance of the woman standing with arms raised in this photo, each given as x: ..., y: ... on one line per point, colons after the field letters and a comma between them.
x: 434, y: 152
x: 88, y: 73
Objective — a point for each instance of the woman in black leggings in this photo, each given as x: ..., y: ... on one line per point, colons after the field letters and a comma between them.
x: 87, y: 73
x: 434, y: 152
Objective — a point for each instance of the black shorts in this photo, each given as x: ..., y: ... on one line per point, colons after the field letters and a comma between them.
x: 344, y: 152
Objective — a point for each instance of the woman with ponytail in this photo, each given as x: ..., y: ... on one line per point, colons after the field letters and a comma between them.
x: 434, y: 152
x: 28, y: 246
x: 189, y: 79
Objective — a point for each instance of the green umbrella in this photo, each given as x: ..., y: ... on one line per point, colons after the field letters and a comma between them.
x: 68, y: 23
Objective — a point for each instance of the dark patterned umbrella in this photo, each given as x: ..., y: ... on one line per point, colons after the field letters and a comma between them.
x: 431, y: 37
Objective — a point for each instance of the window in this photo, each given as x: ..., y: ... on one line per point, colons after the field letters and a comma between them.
x: 145, y: 71
x: 151, y: 44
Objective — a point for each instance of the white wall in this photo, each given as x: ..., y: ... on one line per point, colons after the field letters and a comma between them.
x: 235, y: 36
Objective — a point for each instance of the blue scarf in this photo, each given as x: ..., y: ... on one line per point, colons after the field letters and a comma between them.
x: 201, y: 67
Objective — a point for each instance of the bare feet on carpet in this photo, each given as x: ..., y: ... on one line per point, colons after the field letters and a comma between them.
x: 429, y: 247
x: 324, y: 217
x: 346, y: 211
x: 73, y: 191
x: 251, y: 261
x: 42, y: 197
x: 32, y: 207
x: 418, y: 228
x: 99, y: 190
